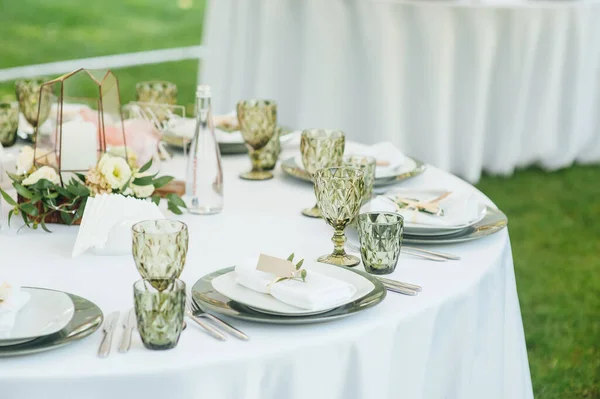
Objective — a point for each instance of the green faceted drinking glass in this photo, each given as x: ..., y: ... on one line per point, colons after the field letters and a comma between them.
x: 339, y: 194
x: 9, y: 123
x: 159, y: 313
x: 320, y: 148
x: 367, y: 164
x: 380, y: 235
x: 257, y: 120
x: 29, y: 92
x: 160, y: 250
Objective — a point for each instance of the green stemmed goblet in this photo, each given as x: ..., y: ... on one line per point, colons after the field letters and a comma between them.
x: 28, y: 94
x: 257, y: 120
x: 9, y: 123
x: 320, y: 148
x: 339, y: 192
x: 380, y: 235
x: 160, y: 93
x: 160, y: 250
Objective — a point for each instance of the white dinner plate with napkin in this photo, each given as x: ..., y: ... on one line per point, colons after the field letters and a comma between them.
x: 460, y: 210
x: 29, y: 313
x: 327, y: 287
x: 391, y: 161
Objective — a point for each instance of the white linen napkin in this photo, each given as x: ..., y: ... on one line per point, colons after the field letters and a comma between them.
x: 382, y: 152
x: 318, y: 292
x: 459, y: 208
x: 106, y: 223
x: 12, y: 299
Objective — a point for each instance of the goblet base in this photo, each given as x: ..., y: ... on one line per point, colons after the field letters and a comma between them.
x: 256, y: 175
x: 313, y: 212
x: 339, y: 260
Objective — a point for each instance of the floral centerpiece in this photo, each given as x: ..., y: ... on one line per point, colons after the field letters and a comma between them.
x: 42, y: 199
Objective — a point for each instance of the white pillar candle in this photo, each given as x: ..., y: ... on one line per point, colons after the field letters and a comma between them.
x: 79, y: 146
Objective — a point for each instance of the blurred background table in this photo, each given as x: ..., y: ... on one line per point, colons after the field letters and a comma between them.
x: 464, y: 86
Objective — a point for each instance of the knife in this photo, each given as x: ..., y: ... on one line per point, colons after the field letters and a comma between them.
x: 109, y: 327
x: 128, y: 326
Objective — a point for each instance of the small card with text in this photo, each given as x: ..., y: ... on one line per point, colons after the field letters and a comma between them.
x: 277, y: 266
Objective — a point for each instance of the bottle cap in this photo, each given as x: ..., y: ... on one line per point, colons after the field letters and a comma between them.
x: 203, y: 91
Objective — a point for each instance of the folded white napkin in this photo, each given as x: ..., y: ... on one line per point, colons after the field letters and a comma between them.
x: 459, y: 208
x: 106, y: 223
x: 12, y: 299
x: 383, y: 152
x: 318, y: 292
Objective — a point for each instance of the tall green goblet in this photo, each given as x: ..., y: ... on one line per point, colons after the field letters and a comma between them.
x: 339, y: 194
x: 320, y: 148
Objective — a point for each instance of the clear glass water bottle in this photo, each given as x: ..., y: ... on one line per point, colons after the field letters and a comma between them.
x: 204, y: 182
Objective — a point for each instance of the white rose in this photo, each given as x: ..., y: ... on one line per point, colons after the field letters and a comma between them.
x: 25, y: 160
x: 45, y: 172
x: 142, y: 191
x: 115, y: 170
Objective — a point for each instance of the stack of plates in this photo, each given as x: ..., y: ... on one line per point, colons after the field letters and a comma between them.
x: 49, y: 320
x: 218, y: 292
x: 486, y: 220
x: 410, y: 168
x: 234, y: 143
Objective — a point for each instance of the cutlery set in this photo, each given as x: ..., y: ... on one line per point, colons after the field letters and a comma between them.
x: 192, y: 311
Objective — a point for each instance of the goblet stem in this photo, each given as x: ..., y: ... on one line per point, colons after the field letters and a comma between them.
x: 339, y: 241
x: 257, y: 172
x: 255, y: 159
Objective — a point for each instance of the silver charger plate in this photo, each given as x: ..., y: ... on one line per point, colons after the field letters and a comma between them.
x: 212, y: 301
x: 86, y: 320
x: 289, y: 166
x: 493, y: 221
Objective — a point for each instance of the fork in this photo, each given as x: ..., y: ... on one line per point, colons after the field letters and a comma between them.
x: 196, y: 311
x: 209, y: 329
x: 412, y: 251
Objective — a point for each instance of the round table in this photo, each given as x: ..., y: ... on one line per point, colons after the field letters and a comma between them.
x: 463, y: 85
x: 461, y: 337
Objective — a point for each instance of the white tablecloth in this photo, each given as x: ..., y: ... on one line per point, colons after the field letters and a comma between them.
x: 461, y: 337
x: 463, y: 86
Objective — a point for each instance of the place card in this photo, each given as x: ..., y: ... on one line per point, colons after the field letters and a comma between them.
x: 277, y: 266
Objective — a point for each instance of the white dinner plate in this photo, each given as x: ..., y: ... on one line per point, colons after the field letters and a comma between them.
x: 408, y: 165
x: 45, y: 313
x: 226, y: 285
x: 418, y: 229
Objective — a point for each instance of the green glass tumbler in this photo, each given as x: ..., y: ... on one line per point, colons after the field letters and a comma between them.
x: 9, y: 123
x: 380, y: 235
x: 339, y: 194
x: 159, y: 313
x: 320, y: 148
x: 159, y: 250
x: 257, y: 120
x: 367, y: 164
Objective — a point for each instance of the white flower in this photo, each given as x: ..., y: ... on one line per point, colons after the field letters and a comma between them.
x: 115, y: 170
x: 25, y: 160
x: 142, y: 191
x: 45, y: 172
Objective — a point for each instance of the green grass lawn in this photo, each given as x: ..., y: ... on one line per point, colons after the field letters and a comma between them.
x: 553, y: 217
